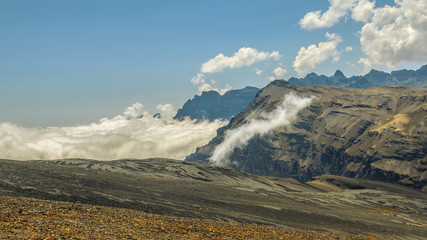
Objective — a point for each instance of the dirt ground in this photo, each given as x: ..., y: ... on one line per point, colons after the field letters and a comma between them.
x: 27, y: 218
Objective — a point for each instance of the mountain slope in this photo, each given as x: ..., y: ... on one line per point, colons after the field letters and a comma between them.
x: 177, y: 188
x: 378, y: 134
x: 374, y: 78
x: 211, y: 105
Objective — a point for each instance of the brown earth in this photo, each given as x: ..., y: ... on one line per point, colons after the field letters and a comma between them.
x: 27, y: 218
x: 182, y: 189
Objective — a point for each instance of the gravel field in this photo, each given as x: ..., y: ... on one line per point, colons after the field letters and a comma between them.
x: 27, y: 218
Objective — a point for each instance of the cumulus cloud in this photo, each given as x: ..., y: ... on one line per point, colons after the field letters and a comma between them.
x: 203, y: 86
x: 278, y: 72
x: 317, y: 19
x: 245, y: 56
x: 134, y: 134
x: 367, y: 65
x: 166, y: 110
x: 396, y: 34
x: 239, y: 137
x: 348, y: 49
x: 309, y: 57
x: 134, y: 111
x: 363, y: 10
x: 390, y: 34
x: 258, y: 71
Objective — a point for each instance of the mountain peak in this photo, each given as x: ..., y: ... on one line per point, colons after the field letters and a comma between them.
x: 338, y: 73
x: 211, y: 105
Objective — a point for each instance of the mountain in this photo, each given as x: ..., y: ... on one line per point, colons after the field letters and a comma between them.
x: 211, y: 105
x: 416, y: 78
x: 374, y: 78
x: 183, y: 189
x: 378, y: 134
x: 338, y: 79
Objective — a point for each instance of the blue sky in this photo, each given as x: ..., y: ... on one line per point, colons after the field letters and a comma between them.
x: 76, y: 61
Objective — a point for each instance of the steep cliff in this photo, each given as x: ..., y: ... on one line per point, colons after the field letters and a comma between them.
x: 377, y: 134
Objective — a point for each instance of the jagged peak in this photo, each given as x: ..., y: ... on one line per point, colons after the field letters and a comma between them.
x: 423, y: 68
x: 338, y: 73
x: 210, y: 93
x: 312, y: 75
x: 374, y: 71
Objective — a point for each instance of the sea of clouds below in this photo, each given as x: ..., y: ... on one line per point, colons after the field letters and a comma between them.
x: 133, y: 134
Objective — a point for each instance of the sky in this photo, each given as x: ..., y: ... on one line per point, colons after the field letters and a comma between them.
x: 74, y: 62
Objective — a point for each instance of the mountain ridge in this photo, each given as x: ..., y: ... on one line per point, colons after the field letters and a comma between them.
x: 375, y: 78
x: 211, y: 105
x: 377, y: 134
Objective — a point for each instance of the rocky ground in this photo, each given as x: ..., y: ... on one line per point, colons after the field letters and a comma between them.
x: 326, y: 205
x: 27, y: 218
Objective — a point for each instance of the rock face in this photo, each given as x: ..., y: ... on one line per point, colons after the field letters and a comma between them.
x: 211, y: 105
x: 374, y: 78
x: 377, y: 134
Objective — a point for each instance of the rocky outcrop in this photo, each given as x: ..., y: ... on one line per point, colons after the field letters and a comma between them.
x: 377, y: 134
x: 374, y: 78
x: 211, y: 105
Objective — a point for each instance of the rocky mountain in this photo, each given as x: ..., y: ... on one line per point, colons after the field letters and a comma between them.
x: 416, y: 78
x: 338, y: 79
x: 378, y: 134
x: 211, y: 105
x: 374, y: 78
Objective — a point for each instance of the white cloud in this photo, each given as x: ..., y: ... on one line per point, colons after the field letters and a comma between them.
x: 258, y: 71
x: 203, y: 86
x: 367, y: 65
x: 166, y: 110
x: 244, y: 57
x: 134, y: 111
x: 278, y: 72
x: 363, y: 10
x: 396, y: 34
x: 348, y: 49
x: 337, y: 10
x: 309, y: 57
x: 125, y: 136
x: 390, y: 35
x: 239, y: 137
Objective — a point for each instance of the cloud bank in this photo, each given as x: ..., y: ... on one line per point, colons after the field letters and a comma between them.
x: 309, y: 57
x: 239, y: 137
x: 245, y: 56
x: 134, y: 134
